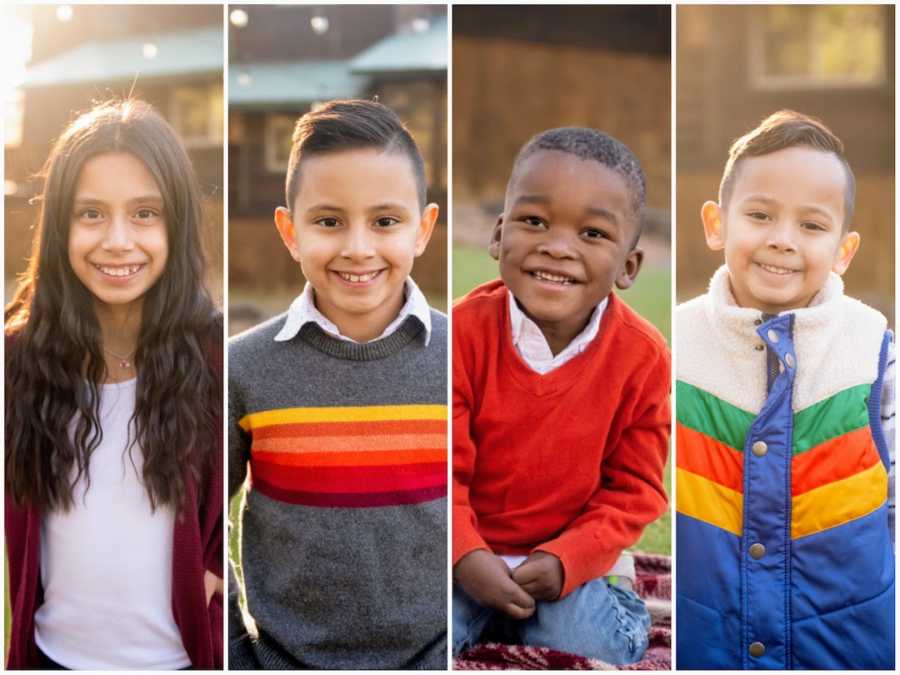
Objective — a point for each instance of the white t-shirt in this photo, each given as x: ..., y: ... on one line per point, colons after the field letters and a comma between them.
x: 106, y: 565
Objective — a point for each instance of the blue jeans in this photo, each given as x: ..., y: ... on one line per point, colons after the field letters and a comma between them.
x: 595, y: 620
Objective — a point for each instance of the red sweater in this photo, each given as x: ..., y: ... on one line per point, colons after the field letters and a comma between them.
x: 197, y: 547
x: 570, y: 462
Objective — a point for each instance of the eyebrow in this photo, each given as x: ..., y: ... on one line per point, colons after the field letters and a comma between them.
x: 142, y: 199
x: 600, y: 212
x: 324, y: 207
x: 812, y: 208
x: 544, y: 200
x: 384, y: 206
x: 532, y: 199
x: 764, y: 199
x: 388, y: 206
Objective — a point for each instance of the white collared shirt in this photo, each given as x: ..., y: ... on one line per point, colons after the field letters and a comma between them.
x: 533, y: 347
x: 303, y: 310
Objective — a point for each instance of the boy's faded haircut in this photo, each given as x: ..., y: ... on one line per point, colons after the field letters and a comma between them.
x: 591, y: 144
x: 350, y: 125
x: 779, y: 131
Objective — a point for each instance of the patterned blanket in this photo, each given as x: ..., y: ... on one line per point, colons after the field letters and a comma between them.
x: 654, y: 585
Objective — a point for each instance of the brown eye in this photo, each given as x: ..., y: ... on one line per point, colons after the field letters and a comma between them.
x: 594, y: 233
x: 386, y: 221
x: 90, y: 214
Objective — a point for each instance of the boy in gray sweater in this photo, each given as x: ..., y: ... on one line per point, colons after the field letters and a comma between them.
x: 338, y: 409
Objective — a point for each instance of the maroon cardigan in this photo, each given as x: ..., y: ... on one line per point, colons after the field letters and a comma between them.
x: 198, y: 546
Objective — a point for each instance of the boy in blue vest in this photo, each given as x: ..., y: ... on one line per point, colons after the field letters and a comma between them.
x: 785, y: 423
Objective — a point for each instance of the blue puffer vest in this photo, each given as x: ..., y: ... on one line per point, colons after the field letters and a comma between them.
x: 784, y: 552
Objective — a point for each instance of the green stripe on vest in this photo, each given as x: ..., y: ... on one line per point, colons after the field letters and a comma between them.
x: 701, y: 411
x: 835, y: 416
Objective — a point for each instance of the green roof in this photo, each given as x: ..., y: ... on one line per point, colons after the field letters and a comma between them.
x: 407, y: 52
x: 177, y: 53
x: 300, y: 83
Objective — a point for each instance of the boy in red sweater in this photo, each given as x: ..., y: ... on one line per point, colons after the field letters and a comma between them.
x: 560, y: 409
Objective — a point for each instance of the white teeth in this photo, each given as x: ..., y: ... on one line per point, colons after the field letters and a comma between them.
x: 120, y: 270
x: 556, y: 278
x: 358, y: 278
x: 776, y: 270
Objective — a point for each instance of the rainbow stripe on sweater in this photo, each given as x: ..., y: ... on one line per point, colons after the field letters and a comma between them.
x: 361, y: 456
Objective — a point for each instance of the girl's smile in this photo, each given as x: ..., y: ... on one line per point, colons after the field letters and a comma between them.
x: 120, y: 271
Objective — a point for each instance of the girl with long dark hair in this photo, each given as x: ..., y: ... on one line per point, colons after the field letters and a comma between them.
x: 113, y: 410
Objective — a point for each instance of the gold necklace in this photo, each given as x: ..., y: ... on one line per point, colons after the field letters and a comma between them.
x: 124, y: 361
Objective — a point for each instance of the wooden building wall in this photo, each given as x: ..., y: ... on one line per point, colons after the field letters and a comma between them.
x: 505, y: 91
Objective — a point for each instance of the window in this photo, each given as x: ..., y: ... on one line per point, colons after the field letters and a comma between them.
x: 197, y: 114
x: 418, y: 104
x: 279, y: 129
x: 818, y: 46
x: 14, y: 118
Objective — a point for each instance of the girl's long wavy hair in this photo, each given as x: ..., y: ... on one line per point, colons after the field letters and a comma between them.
x: 55, y: 365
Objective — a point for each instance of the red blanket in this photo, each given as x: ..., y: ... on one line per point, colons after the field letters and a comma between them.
x: 654, y: 585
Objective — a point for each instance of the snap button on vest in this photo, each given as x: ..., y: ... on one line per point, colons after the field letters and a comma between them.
x: 789, y: 360
x: 757, y: 551
x: 757, y: 649
x: 773, y: 336
x: 760, y: 448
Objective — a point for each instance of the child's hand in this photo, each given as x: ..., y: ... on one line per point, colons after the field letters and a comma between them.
x: 212, y: 585
x: 487, y: 580
x: 541, y: 576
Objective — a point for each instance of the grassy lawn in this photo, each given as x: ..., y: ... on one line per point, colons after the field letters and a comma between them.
x: 657, y: 538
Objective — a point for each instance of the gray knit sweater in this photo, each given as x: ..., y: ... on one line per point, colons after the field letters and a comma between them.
x: 344, y: 529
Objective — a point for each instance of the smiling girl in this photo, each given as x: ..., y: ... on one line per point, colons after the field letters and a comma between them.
x: 113, y: 410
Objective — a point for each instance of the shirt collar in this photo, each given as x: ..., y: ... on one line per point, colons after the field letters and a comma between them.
x: 532, y: 346
x: 303, y: 310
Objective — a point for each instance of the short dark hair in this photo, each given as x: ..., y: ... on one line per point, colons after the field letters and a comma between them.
x: 351, y: 125
x: 595, y: 145
x: 779, y: 131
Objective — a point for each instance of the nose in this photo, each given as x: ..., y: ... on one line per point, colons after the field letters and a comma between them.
x: 781, y: 237
x: 118, y: 235
x: 557, y: 243
x: 358, y: 243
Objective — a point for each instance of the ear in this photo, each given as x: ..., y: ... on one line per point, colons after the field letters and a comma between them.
x: 711, y: 215
x: 285, y: 226
x: 630, y: 269
x: 426, y: 227
x: 494, y: 246
x: 848, y: 248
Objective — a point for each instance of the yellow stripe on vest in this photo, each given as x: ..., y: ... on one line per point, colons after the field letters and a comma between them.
x: 839, y: 502
x: 372, y: 413
x: 710, y: 502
